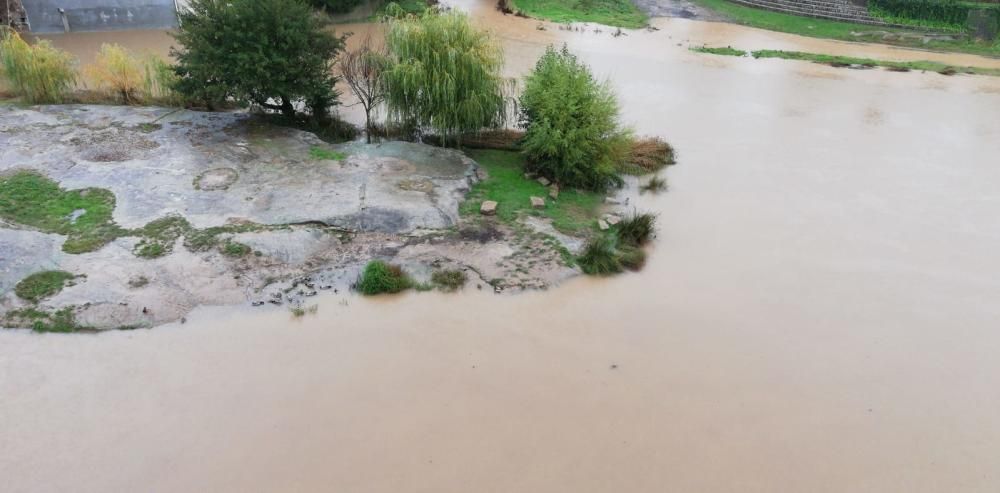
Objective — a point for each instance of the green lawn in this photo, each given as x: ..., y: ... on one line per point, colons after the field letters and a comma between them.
x: 822, y: 28
x: 574, y: 212
x: 621, y: 13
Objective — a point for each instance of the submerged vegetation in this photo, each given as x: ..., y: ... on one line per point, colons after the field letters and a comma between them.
x: 620, y: 13
x: 449, y: 279
x: 845, y: 61
x: 620, y: 249
x: 381, y: 277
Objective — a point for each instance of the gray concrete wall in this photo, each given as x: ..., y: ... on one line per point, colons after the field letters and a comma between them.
x: 100, y: 15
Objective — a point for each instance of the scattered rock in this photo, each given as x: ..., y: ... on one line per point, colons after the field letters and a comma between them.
x: 554, y: 192
x: 612, y: 219
x: 602, y: 225
x: 537, y: 203
x: 488, y: 208
x: 544, y: 181
x: 612, y: 201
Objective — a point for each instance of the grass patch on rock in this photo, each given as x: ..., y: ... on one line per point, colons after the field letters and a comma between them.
x: 234, y: 249
x: 380, y: 277
x: 42, y: 285
x: 319, y: 154
x: 621, y: 13
x: 62, y: 320
x: 83, y: 215
x: 574, y: 212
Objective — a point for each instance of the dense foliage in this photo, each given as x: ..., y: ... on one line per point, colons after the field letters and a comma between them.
x: 336, y: 6
x: 270, y: 53
x: 571, y: 124
x: 38, y: 73
x: 445, y: 74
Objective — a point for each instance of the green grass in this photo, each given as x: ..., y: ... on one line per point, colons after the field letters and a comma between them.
x: 621, y: 13
x: 41, y: 285
x: 380, y: 277
x: 574, y: 212
x: 843, y: 61
x: 62, y: 320
x: 406, y: 6
x: 33, y: 200
x: 234, y: 249
x: 599, y: 257
x: 822, y: 28
x: 319, y: 153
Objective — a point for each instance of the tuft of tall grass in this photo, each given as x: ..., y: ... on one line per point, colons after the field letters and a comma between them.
x: 381, y: 277
x: 637, y: 229
x: 37, y: 73
x: 654, y: 185
x: 631, y: 257
x: 599, y: 257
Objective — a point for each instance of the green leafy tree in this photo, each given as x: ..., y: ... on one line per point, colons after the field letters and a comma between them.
x: 571, y: 125
x: 270, y: 53
x: 445, y: 74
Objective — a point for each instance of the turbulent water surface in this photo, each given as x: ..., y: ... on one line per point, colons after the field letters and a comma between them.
x: 819, y: 313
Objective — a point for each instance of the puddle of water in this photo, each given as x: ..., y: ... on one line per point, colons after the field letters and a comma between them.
x: 818, y: 314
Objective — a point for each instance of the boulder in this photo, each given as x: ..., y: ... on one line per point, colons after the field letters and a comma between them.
x: 554, y: 192
x: 612, y: 219
x: 537, y: 203
x: 488, y: 208
x: 602, y: 225
x: 544, y: 181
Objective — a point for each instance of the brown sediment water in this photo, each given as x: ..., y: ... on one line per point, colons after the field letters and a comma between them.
x: 819, y: 313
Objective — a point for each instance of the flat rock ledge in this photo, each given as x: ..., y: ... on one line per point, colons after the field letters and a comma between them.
x: 329, y: 209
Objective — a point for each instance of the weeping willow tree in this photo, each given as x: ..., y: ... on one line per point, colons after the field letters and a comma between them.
x: 38, y: 73
x: 445, y: 75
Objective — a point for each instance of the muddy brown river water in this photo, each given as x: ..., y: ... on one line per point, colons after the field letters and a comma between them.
x: 819, y: 314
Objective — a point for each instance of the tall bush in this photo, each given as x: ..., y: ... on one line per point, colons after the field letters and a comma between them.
x: 38, y: 73
x: 572, y: 134
x: 445, y: 74
x: 269, y: 53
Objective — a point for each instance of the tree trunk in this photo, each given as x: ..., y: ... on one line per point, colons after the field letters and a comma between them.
x: 286, y: 107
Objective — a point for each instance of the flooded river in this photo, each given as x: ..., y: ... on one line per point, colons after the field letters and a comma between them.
x: 819, y: 313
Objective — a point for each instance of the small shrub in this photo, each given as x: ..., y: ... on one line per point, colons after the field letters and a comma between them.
x: 42, y: 285
x: 380, y: 277
x: 38, y: 73
x: 599, y: 257
x: 636, y: 229
x: 449, y: 280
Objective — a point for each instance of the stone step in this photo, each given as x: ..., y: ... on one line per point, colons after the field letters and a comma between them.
x: 807, y: 12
